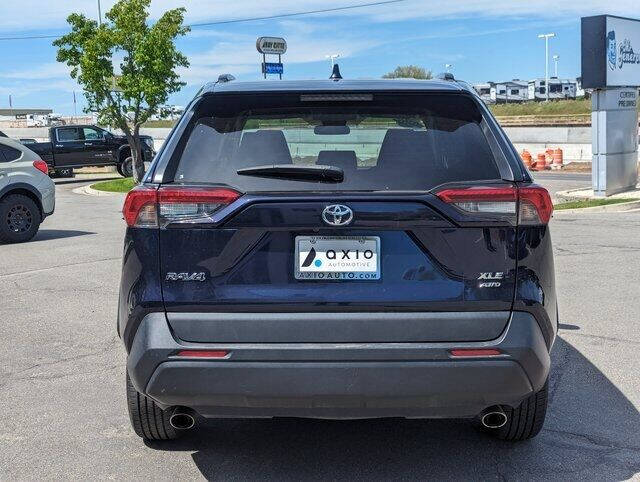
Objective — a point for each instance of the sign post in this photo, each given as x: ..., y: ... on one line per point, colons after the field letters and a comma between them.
x: 271, y: 46
x: 611, y: 67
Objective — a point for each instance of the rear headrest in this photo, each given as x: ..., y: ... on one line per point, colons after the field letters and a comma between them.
x: 262, y: 147
x: 346, y: 160
x: 404, y: 146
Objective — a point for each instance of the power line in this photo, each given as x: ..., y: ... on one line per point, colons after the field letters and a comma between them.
x: 241, y: 20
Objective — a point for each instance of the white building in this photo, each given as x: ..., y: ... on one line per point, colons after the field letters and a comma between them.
x: 558, y: 89
x: 484, y: 91
x: 510, y: 91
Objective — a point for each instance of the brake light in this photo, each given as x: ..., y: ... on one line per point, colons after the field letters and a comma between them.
x: 41, y: 166
x: 147, y: 207
x: 139, y: 208
x: 533, y: 202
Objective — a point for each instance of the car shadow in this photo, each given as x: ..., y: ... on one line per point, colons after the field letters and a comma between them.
x: 79, y: 180
x: 49, y: 234
x: 591, y: 431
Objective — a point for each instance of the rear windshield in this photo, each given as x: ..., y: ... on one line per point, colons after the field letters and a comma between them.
x: 381, y: 141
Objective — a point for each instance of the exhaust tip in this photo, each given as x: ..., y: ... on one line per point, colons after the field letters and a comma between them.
x: 494, y: 419
x: 182, y: 420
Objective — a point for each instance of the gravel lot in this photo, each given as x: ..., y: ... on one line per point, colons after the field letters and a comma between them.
x: 62, y: 376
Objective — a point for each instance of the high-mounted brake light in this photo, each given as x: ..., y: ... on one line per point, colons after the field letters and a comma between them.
x: 533, y: 202
x: 147, y: 207
x: 41, y: 166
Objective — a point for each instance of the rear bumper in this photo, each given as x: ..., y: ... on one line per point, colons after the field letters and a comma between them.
x: 349, y: 380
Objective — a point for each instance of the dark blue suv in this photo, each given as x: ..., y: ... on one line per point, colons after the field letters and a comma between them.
x: 337, y: 249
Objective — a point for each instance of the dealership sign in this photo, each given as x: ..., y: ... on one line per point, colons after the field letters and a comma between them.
x: 610, y: 52
x: 271, y: 45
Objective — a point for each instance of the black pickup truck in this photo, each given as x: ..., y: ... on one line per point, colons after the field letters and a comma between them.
x: 87, y: 145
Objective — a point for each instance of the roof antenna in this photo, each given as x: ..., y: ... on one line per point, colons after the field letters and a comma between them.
x: 335, y: 74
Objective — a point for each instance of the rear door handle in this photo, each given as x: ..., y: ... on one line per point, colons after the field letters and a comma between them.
x: 88, y: 143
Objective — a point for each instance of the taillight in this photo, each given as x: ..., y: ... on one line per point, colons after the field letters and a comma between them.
x: 139, y: 208
x: 533, y: 202
x: 147, y: 207
x: 41, y: 166
x: 191, y: 205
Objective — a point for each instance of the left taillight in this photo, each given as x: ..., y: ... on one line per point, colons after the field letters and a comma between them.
x: 531, y: 204
x: 41, y: 166
x: 150, y: 207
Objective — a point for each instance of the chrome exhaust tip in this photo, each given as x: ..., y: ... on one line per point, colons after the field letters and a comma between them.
x: 493, y: 418
x: 182, y: 419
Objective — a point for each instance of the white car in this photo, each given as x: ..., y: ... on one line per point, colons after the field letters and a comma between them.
x: 27, y: 194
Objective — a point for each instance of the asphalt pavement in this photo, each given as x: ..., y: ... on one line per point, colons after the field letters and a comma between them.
x: 62, y: 371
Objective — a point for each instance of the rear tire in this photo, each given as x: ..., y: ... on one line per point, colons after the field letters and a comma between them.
x: 20, y: 219
x: 526, y: 420
x: 125, y: 168
x: 148, y: 420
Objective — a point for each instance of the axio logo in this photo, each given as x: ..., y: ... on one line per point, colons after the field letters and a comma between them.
x: 611, y: 49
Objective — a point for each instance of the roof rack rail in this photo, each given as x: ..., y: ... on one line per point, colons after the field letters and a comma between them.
x: 226, y: 78
x: 445, y: 76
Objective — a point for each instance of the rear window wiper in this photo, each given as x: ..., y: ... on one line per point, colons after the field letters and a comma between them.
x: 295, y: 172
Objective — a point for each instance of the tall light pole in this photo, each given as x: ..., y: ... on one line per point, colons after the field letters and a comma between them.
x: 333, y: 58
x: 448, y: 67
x: 99, y: 14
x: 555, y: 60
x: 546, y: 37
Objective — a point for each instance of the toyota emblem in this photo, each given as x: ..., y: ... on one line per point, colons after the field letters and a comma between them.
x: 337, y: 215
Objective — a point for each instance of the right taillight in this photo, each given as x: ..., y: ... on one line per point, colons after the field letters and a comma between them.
x: 532, y: 203
x: 147, y: 207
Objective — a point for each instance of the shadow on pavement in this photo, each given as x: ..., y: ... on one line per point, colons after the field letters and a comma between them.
x: 79, y: 180
x: 592, y: 431
x: 48, y: 234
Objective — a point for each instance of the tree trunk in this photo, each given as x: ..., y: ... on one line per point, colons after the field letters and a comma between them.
x: 133, y: 138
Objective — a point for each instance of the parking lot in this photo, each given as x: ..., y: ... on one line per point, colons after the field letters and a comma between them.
x: 62, y: 375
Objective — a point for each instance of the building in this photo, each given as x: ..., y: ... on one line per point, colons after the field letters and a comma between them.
x: 558, y: 89
x: 484, y: 91
x: 510, y: 91
x: 17, y: 114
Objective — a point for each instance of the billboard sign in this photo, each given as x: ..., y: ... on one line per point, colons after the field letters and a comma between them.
x: 271, y: 45
x: 610, y: 52
x: 272, y: 68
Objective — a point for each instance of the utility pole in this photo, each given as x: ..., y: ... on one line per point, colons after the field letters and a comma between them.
x: 555, y: 60
x: 546, y: 37
x: 333, y: 58
x: 99, y: 14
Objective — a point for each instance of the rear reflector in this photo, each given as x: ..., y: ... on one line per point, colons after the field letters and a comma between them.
x: 203, y: 353
x: 475, y: 352
x: 147, y: 207
x: 41, y: 166
x: 533, y: 202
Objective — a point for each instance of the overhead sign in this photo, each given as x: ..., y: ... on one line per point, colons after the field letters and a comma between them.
x: 272, y: 68
x: 610, y: 52
x: 271, y: 45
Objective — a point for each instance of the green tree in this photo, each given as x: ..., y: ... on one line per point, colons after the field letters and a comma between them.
x: 146, y: 59
x: 408, y: 72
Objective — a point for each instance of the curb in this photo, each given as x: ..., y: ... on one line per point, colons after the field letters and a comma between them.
x: 607, y: 208
x: 89, y: 191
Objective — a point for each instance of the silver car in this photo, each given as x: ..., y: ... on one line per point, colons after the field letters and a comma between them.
x: 27, y: 194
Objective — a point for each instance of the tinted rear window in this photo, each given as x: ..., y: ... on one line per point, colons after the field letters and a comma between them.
x: 8, y: 154
x: 384, y: 142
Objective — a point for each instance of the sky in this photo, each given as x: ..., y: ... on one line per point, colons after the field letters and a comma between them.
x: 484, y: 40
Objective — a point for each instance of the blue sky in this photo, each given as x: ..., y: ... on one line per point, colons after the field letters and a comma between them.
x: 484, y: 40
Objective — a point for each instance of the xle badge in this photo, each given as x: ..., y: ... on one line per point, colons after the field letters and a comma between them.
x: 491, y: 279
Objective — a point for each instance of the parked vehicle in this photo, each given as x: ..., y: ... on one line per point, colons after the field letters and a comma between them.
x: 27, y: 194
x: 85, y: 145
x: 338, y: 249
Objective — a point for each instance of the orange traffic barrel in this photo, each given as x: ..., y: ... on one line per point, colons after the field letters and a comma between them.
x: 541, y: 163
x: 526, y: 158
x: 557, y: 158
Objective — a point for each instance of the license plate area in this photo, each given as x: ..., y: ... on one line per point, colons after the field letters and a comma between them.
x: 347, y: 258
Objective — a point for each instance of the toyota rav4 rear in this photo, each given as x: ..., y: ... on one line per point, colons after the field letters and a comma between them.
x: 337, y: 249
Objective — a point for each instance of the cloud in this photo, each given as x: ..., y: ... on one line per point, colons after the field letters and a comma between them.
x: 51, y: 15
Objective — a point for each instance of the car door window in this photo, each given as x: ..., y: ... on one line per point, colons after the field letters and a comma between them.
x: 91, y: 134
x: 69, y: 134
x: 8, y: 154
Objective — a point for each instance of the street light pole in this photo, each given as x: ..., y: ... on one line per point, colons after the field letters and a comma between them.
x: 99, y: 14
x: 546, y: 37
x: 555, y: 60
x: 333, y: 58
x: 447, y: 67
